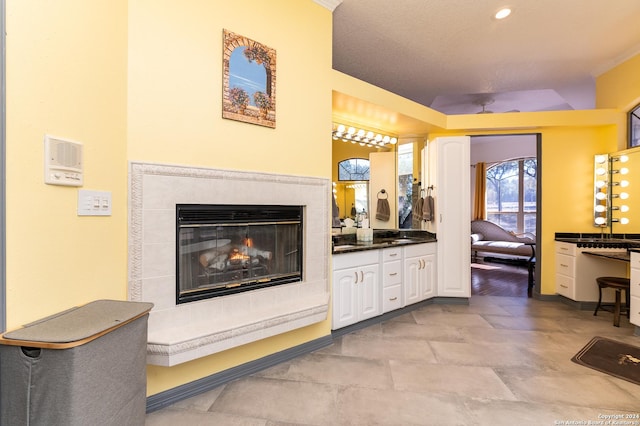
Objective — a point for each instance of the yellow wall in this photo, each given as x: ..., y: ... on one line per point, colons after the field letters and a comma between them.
x: 620, y: 86
x: 66, y: 76
x: 175, y: 110
x: 175, y: 83
x: 142, y: 81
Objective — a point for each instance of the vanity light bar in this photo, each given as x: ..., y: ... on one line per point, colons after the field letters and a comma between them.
x: 362, y: 136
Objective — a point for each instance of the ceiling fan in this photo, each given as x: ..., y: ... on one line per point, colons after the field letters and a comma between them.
x: 483, y: 102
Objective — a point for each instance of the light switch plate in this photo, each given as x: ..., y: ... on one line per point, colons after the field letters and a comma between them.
x: 94, y: 203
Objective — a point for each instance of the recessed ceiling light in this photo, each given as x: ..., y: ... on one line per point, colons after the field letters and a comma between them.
x: 503, y: 13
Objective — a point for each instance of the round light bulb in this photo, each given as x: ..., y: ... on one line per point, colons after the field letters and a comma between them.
x: 394, y: 141
x: 351, y: 130
x: 624, y: 221
x: 385, y: 139
x: 600, y: 184
x: 361, y: 133
x: 624, y: 208
x: 624, y: 158
x: 600, y: 159
x: 624, y: 195
x: 600, y: 208
x: 503, y: 13
x: 341, y: 128
x: 601, y: 171
x: 601, y: 196
x: 600, y: 221
x: 624, y: 171
x: 624, y: 183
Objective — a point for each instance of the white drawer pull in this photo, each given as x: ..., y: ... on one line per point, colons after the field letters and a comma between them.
x: 393, y: 254
x: 563, y: 286
x: 393, y: 298
x: 393, y: 273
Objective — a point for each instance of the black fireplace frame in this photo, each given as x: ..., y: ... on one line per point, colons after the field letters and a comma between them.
x: 237, y: 214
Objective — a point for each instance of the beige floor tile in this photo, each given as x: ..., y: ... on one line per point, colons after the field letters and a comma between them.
x: 382, y: 407
x: 331, y: 369
x: 445, y: 319
x: 419, y: 331
x: 581, y: 390
x: 495, y: 355
x: 481, y: 382
x: 279, y: 400
x: 177, y: 417
x: 398, y: 348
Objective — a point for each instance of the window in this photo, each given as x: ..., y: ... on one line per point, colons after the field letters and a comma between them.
x: 353, y: 169
x: 634, y: 127
x: 511, y: 194
x: 405, y: 185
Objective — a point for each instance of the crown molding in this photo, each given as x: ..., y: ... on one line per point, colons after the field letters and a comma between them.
x: 329, y: 4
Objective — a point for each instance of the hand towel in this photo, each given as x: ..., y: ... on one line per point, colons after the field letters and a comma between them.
x: 335, y: 213
x: 383, y: 212
x: 427, y: 209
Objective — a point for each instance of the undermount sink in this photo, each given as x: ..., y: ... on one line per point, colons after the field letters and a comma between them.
x: 403, y: 240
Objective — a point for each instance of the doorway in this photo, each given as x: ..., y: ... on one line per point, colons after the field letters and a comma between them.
x: 518, y: 209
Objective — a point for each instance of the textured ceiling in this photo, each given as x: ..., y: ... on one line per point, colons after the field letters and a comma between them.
x: 453, y: 56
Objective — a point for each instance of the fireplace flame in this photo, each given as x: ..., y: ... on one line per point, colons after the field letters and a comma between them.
x: 235, y: 255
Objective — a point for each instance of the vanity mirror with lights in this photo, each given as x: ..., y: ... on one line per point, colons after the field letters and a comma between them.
x: 613, y: 204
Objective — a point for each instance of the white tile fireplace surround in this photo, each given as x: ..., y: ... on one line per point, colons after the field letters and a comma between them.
x: 180, y: 333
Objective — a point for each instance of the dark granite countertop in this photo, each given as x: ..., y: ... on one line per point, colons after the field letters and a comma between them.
x: 382, y: 238
x: 589, y: 240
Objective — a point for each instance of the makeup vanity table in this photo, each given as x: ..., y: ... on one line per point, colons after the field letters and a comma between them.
x: 580, y: 260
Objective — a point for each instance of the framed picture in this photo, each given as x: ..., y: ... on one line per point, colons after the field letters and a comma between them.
x: 249, y: 81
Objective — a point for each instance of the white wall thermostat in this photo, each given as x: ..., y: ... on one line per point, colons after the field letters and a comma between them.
x: 63, y: 164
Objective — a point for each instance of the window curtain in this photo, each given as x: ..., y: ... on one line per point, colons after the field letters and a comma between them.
x: 479, y: 205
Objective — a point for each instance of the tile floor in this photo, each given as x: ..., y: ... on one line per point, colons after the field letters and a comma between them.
x: 497, y: 361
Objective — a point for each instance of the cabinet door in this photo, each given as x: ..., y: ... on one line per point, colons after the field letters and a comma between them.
x: 368, y: 292
x: 345, y: 307
x: 452, y: 225
x: 411, y: 276
x: 428, y: 277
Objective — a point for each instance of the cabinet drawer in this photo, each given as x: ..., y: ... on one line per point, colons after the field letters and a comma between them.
x: 634, y: 316
x: 391, y: 298
x: 635, y: 260
x: 391, y: 273
x: 352, y: 260
x: 565, y: 248
x: 565, y: 265
x: 419, y: 249
x: 565, y: 285
x: 391, y: 254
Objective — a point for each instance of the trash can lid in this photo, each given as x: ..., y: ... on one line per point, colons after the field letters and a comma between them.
x: 79, y: 325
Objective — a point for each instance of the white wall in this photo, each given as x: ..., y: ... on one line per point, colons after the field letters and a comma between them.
x: 495, y: 148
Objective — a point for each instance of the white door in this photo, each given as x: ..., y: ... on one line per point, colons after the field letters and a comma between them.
x: 450, y: 157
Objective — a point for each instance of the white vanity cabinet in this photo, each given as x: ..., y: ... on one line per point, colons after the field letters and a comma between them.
x: 356, y: 287
x: 419, y: 272
x: 576, y: 272
x: 391, y: 279
x: 634, y: 315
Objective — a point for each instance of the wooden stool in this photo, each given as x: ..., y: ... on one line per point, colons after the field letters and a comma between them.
x: 618, y: 284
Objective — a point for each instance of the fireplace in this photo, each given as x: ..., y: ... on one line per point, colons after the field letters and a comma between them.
x: 182, y: 332
x: 227, y: 249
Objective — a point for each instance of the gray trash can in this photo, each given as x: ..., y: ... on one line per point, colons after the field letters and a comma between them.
x: 84, y: 366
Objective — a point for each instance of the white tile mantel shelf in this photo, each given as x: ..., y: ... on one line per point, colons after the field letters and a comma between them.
x: 180, y: 333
